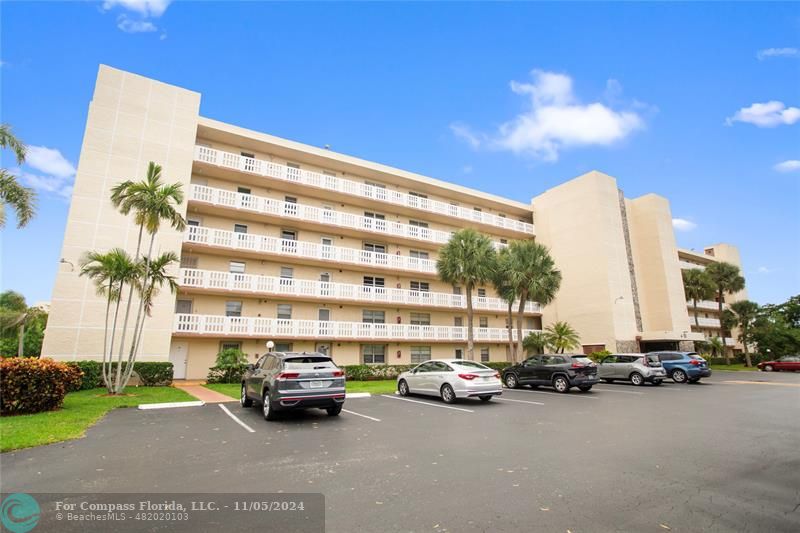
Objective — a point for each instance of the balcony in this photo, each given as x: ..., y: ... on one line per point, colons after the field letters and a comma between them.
x: 307, y: 213
x: 686, y: 265
x: 706, y: 322
x: 338, y: 292
x: 261, y: 244
x: 318, y: 180
x: 705, y: 304
x: 275, y: 328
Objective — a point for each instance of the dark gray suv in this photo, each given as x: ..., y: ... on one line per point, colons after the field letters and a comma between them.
x: 281, y: 381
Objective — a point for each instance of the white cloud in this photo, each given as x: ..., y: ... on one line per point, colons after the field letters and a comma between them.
x: 777, y: 52
x: 557, y: 120
x: 792, y: 165
x: 50, y: 161
x: 61, y: 187
x: 463, y: 132
x: 129, y: 25
x: 681, y: 224
x: 765, y: 270
x: 766, y: 115
x: 145, y: 8
x: 467, y: 169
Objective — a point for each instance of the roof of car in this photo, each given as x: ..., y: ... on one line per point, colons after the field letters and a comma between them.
x: 284, y: 355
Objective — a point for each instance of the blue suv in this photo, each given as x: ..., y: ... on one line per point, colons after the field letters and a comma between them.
x: 684, y: 366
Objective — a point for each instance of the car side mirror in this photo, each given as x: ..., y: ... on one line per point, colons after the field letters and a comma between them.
x: 251, y: 367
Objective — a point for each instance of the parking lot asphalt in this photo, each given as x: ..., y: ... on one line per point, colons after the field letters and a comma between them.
x: 721, y: 455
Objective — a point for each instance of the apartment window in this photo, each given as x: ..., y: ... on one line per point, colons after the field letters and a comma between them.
x: 183, y: 306
x: 233, y: 308
x: 285, y: 311
x: 418, y: 223
x: 373, y: 354
x: 377, y: 216
x: 417, y: 194
x: 456, y: 290
x: 459, y: 353
x: 503, y: 241
x: 293, y: 165
x: 478, y: 209
x: 193, y: 222
x: 287, y: 272
x: 240, y: 228
x: 283, y: 347
x: 458, y: 321
x: 228, y: 345
x: 483, y: 322
x: 481, y: 293
x: 236, y: 267
x: 290, y: 199
x: 371, y: 281
x: 421, y: 286
x: 326, y: 241
x: 417, y: 254
x: 377, y: 248
x: 288, y: 235
x: 324, y: 315
x: 484, y: 355
x: 369, y: 316
x: 245, y: 154
x: 325, y: 277
x: 420, y: 354
x: 243, y: 190
x: 421, y: 319
x: 329, y: 173
x: 374, y: 184
x: 189, y: 261
x: 501, y: 215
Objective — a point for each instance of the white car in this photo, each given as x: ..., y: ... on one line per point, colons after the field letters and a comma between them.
x: 451, y: 379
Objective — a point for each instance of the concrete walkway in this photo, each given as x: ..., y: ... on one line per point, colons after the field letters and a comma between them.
x: 202, y: 393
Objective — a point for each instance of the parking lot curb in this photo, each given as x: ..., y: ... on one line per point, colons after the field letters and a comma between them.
x: 170, y: 405
x: 358, y: 395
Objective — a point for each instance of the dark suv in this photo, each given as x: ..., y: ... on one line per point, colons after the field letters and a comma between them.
x: 281, y: 381
x: 560, y: 371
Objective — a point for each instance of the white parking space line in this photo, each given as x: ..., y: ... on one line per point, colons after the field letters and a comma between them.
x: 553, y: 394
x: 620, y: 391
x: 236, y: 419
x: 518, y: 401
x: 359, y: 414
x: 426, y: 403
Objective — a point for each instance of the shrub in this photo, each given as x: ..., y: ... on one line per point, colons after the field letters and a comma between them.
x: 598, y: 356
x: 92, y: 373
x: 229, y: 367
x: 151, y: 373
x: 34, y: 385
x: 373, y: 372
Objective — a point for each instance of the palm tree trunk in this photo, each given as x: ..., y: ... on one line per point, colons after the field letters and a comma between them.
x: 138, y: 326
x: 105, y: 330
x: 512, y: 348
x: 696, y: 320
x: 21, y: 340
x: 747, y: 362
x: 523, y: 297
x: 470, y: 343
x: 117, y: 388
x: 107, y: 372
x: 722, y: 328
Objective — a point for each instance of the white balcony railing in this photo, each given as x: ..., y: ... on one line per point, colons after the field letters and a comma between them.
x: 706, y: 322
x: 215, y: 280
x: 279, y: 208
x: 315, y: 329
x: 308, y: 250
x: 704, y: 304
x: 309, y: 178
x: 686, y: 265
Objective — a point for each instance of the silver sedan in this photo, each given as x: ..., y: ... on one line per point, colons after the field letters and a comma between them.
x: 451, y: 379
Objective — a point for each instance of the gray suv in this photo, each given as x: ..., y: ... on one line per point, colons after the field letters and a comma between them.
x: 281, y: 381
x: 637, y: 368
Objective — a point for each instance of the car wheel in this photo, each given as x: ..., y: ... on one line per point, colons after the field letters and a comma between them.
x: 334, y: 411
x: 243, y: 399
x: 402, y: 388
x: 584, y: 388
x: 448, y: 394
x: 608, y: 380
x: 485, y: 398
x: 267, y: 408
x: 679, y: 376
x: 768, y: 368
x: 561, y: 384
x: 637, y: 379
x: 511, y: 381
x: 658, y: 381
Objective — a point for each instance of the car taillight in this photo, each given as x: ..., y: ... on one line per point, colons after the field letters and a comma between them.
x: 695, y: 362
x: 497, y: 375
x: 578, y: 365
x: 468, y: 377
x: 288, y: 375
x: 338, y: 373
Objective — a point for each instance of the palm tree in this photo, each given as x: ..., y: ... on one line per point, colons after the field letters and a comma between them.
x: 532, y: 274
x: 697, y: 285
x: 535, y: 342
x: 468, y: 259
x: 746, y: 313
x: 561, y: 336
x: 151, y: 201
x: 726, y: 279
x: 16, y: 315
x: 716, y: 345
x: 110, y: 272
x: 21, y: 199
x: 502, y: 284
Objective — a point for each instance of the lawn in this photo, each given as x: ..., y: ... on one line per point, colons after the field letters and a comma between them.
x: 80, y: 410
x: 387, y: 386
x: 737, y: 367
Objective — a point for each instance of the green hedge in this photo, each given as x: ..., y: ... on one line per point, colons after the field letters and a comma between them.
x: 151, y: 374
x: 378, y: 372
x: 29, y: 385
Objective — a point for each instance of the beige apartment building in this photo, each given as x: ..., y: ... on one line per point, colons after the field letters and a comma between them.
x: 320, y: 251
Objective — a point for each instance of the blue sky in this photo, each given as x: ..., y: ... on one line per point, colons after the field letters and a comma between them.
x: 508, y: 98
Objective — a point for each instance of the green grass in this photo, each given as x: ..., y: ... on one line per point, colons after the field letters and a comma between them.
x: 738, y: 367
x: 80, y: 410
x: 386, y: 386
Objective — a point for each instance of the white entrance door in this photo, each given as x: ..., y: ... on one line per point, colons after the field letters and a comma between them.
x: 178, y: 352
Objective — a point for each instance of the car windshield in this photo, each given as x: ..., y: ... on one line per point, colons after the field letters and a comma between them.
x: 693, y: 355
x: 309, y: 361
x: 653, y: 359
x: 471, y: 364
x: 583, y: 360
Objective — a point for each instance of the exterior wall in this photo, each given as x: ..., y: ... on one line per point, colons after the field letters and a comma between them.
x: 132, y: 120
